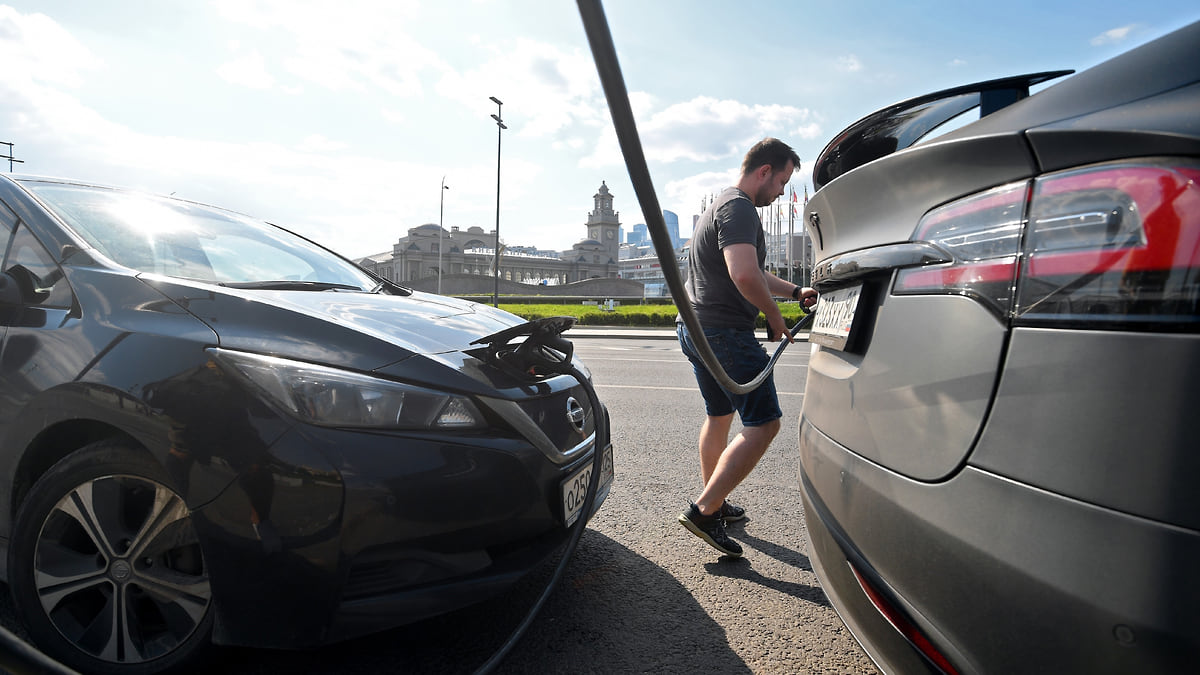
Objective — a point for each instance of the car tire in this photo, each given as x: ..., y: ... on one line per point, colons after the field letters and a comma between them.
x: 105, y: 566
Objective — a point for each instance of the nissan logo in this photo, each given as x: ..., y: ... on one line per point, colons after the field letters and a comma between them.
x: 575, y: 414
x: 120, y: 571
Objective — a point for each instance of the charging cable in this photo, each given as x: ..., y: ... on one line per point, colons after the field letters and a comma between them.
x: 605, y: 55
x: 545, y: 353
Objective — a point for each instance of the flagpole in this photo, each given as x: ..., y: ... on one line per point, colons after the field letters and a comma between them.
x: 778, y: 236
x: 806, y: 243
x: 791, y: 233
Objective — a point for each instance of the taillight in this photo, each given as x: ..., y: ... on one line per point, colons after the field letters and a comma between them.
x: 1117, y: 245
x: 907, y: 628
x: 982, y: 233
x: 1114, y: 245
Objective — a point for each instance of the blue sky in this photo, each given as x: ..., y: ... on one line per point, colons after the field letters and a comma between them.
x: 339, y: 118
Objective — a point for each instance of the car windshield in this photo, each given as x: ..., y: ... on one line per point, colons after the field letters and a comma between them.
x: 182, y: 239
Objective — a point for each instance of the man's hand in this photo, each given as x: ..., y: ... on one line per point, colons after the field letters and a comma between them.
x: 808, y: 297
x: 777, y: 328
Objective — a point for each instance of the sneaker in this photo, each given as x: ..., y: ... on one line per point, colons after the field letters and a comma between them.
x: 731, y: 513
x: 711, y: 529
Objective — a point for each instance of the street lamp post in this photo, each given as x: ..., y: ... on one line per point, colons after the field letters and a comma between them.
x: 499, y: 128
x: 441, y: 212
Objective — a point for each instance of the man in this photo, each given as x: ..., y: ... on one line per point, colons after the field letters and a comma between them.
x: 728, y: 286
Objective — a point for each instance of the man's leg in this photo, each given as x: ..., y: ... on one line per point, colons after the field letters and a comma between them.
x: 735, y: 464
x: 724, y: 465
x: 714, y: 437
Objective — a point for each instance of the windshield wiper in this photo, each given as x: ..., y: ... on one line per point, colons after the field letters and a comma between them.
x: 392, y: 288
x: 285, y: 285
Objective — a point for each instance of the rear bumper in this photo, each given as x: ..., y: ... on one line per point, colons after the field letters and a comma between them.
x: 1000, y: 576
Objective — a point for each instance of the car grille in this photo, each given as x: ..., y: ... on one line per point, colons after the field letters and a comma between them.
x: 553, y: 415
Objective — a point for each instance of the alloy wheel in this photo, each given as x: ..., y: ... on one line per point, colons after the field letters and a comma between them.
x: 119, y: 571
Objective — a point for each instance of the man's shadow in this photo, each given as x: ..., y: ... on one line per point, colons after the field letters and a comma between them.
x: 741, y: 568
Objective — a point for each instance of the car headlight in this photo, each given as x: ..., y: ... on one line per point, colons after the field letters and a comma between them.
x: 339, y: 398
x: 583, y: 370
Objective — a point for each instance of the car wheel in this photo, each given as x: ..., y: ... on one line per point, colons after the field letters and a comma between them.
x: 105, y: 566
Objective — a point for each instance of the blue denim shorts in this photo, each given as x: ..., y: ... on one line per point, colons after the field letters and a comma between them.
x: 743, y: 357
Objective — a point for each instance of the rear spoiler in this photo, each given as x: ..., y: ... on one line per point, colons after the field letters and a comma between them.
x: 902, y: 124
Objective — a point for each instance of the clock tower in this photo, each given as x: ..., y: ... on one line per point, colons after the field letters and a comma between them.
x: 603, y: 224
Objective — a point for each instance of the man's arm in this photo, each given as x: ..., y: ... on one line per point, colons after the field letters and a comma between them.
x: 779, y: 288
x: 783, y: 288
x: 752, y: 282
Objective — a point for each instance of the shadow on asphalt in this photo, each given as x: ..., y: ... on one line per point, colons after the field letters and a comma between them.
x: 613, y: 612
x: 740, y: 568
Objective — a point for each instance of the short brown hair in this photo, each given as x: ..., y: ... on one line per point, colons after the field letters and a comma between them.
x: 771, y: 152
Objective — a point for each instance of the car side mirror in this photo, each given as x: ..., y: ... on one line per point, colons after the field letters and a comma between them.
x: 10, y: 292
x: 19, y: 286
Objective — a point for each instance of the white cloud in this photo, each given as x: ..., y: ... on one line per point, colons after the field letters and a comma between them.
x: 393, y: 116
x: 849, y: 63
x: 1114, y: 36
x: 41, y: 62
x: 355, y: 45
x: 248, y: 70
x: 33, y: 47
x: 691, y: 190
x: 809, y: 132
x: 706, y: 129
x: 546, y: 90
x: 319, y: 143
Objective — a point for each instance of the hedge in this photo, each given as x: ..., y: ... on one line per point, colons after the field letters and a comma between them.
x: 628, y: 315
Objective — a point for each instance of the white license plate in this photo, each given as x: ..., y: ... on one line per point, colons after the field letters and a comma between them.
x: 574, y: 489
x: 835, y: 317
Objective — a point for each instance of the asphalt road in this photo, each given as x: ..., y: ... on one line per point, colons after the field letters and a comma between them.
x: 641, y: 594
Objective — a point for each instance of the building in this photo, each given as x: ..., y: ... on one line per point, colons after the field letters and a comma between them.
x: 473, y: 252
x: 640, y: 234
x: 641, y: 263
x: 600, y: 255
x: 672, y: 222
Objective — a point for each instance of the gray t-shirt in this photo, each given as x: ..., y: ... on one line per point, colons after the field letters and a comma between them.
x: 731, y: 219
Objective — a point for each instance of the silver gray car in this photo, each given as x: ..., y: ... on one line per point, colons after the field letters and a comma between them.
x: 999, y: 462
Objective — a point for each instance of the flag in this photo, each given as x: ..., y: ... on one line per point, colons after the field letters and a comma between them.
x: 805, y: 195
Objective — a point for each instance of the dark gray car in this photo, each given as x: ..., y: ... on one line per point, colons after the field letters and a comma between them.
x: 998, y: 457
x: 215, y: 431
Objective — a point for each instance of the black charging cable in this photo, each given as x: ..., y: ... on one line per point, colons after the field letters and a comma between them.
x: 595, y: 25
x: 545, y: 353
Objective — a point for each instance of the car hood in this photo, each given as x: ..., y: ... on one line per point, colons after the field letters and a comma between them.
x: 366, y: 331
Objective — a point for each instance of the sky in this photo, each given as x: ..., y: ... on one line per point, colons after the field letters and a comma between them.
x: 342, y: 119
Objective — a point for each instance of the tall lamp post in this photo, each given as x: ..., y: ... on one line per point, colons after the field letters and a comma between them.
x: 499, y: 128
x: 441, y: 212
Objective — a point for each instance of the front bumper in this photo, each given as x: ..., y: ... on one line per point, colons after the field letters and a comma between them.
x: 1000, y: 576
x: 347, y: 533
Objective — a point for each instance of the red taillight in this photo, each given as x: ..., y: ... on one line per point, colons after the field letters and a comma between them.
x: 982, y: 233
x: 901, y: 623
x: 1114, y: 245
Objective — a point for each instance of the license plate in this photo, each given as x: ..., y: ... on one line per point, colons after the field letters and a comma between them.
x: 574, y: 489
x: 835, y: 317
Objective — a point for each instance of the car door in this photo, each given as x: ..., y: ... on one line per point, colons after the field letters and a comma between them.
x: 33, y: 357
